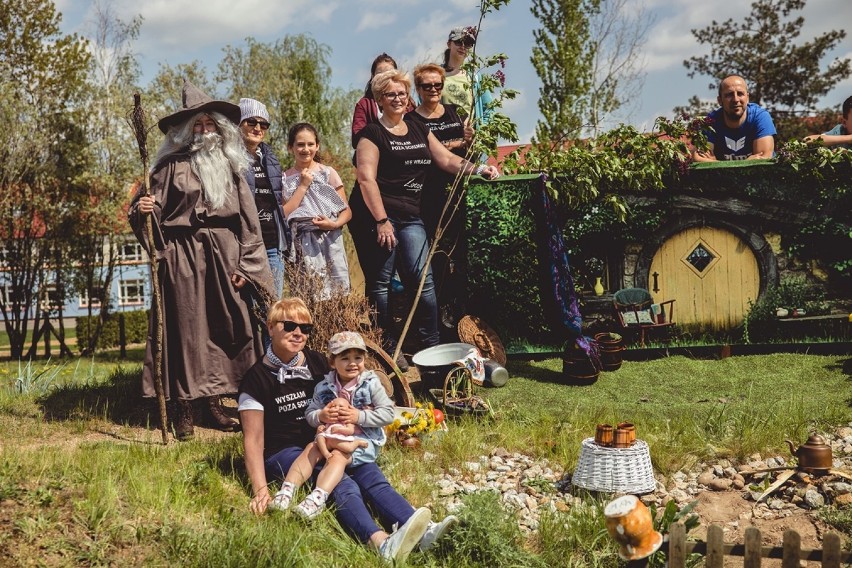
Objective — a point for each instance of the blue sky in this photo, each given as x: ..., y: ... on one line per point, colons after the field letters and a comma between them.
x: 413, y: 31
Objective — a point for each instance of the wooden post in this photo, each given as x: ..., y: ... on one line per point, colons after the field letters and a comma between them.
x: 677, y: 546
x: 792, y: 545
x: 122, y: 337
x: 715, y: 547
x: 46, y: 329
x: 751, y: 558
x: 831, y: 551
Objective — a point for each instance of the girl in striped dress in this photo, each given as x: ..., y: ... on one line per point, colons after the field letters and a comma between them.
x: 316, y: 209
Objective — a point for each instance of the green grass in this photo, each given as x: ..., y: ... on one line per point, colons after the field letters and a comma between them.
x: 85, y: 481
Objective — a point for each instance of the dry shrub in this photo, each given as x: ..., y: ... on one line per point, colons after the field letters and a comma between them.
x: 343, y: 312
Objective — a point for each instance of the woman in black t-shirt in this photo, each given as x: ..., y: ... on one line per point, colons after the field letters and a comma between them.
x: 274, y: 395
x: 393, y: 158
x: 449, y: 263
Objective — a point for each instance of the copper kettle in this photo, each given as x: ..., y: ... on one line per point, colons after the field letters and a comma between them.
x: 813, y: 454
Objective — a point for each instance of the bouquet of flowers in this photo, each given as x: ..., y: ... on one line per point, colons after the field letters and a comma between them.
x: 414, y: 423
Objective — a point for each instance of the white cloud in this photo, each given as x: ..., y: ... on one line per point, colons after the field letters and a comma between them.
x: 176, y: 23
x: 374, y: 20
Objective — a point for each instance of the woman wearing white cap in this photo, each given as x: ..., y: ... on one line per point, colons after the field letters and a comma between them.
x: 264, y: 180
x: 462, y: 88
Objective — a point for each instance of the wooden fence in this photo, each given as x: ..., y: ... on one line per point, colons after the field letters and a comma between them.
x: 752, y: 551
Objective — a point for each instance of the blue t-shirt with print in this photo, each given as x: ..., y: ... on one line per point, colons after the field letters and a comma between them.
x: 839, y: 130
x: 737, y: 143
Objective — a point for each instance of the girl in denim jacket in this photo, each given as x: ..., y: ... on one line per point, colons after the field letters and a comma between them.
x: 370, y: 409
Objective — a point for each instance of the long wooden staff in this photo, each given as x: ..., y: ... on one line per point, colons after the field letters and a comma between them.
x: 141, y: 132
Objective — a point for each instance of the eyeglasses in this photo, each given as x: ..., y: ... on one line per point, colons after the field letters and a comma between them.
x: 289, y: 326
x: 254, y: 122
x: 467, y: 42
x: 431, y: 86
x: 392, y: 96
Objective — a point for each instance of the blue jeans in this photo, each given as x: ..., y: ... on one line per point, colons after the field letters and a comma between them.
x: 363, y: 483
x: 276, y: 265
x: 408, y: 258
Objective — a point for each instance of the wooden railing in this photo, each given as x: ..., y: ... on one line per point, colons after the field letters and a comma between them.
x: 752, y: 551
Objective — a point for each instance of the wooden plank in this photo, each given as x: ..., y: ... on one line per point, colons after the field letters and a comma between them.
x: 831, y: 551
x: 677, y: 546
x: 792, y: 545
x: 772, y: 552
x: 752, y: 552
x: 715, y: 547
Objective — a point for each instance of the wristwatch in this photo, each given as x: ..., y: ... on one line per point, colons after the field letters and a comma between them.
x: 382, y: 221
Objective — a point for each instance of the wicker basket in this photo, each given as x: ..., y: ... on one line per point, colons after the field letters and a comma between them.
x: 615, y: 470
x: 476, y: 332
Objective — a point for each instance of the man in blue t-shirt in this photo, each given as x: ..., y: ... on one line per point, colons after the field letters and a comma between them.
x: 741, y: 130
x: 841, y: 135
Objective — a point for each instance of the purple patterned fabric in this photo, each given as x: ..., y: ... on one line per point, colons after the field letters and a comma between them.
x: 559, y: 272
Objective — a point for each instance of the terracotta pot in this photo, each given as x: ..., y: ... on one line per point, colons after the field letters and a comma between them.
x: 603, y: 435
x: 629, y: 523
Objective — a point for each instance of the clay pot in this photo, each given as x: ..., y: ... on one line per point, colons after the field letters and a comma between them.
x: 629, y: 523
x: 603, y: 435
x: 406, y: 440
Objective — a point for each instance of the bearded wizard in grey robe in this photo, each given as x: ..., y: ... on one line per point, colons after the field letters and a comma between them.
x: 211, y: 258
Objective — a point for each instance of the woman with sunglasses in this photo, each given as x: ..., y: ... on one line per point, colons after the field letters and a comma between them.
x: 456, y: 135
x: 264, y: 179
x: 274, y: 395
x: 462, y: 88
x: 393, y: 158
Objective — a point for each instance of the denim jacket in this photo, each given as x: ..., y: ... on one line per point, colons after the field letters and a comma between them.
x: 376, y: 407
x: 275, y: 173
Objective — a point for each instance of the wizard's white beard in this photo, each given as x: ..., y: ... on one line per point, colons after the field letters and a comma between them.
x: 212, y: 167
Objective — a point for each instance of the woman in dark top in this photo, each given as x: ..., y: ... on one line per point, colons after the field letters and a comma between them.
x: 443, y: 120
x: 274, y: 395
x: 393, y: 159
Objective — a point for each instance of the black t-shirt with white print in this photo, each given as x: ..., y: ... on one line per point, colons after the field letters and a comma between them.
x: 404, y: 162
x: 264, y: 200
x: 284, y: 404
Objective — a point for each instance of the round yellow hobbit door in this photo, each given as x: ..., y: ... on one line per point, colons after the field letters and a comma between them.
x: 711, y: 273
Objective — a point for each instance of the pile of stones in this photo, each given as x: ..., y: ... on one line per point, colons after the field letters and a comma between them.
x: 527, y: 487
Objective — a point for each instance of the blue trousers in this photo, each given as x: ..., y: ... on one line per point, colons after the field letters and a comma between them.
x: 408, y: 259
x: 361, y: 486
x: 276, y: 265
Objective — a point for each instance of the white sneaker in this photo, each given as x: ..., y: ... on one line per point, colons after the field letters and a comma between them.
x: 312, y: 505
x: 281, y: 501
x: 399, y: 545
x: 435, y: 531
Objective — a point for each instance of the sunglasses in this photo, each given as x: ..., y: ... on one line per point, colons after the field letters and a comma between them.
x: 289, y: 326
x: 467, y: 42
x: 431, y: 86
x: 254, y: 122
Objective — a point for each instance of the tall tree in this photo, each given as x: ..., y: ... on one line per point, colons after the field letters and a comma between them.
x: 42, y: 75
x: 291, y: 76
x: 101, y: 192
x: 617, y: 33
x: 783, y: 74
x: 563, y: 58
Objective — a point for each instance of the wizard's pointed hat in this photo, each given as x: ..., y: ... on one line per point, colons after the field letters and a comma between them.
x: 195, y: 101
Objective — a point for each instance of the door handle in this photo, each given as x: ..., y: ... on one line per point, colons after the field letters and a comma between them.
x: 656, y: 287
